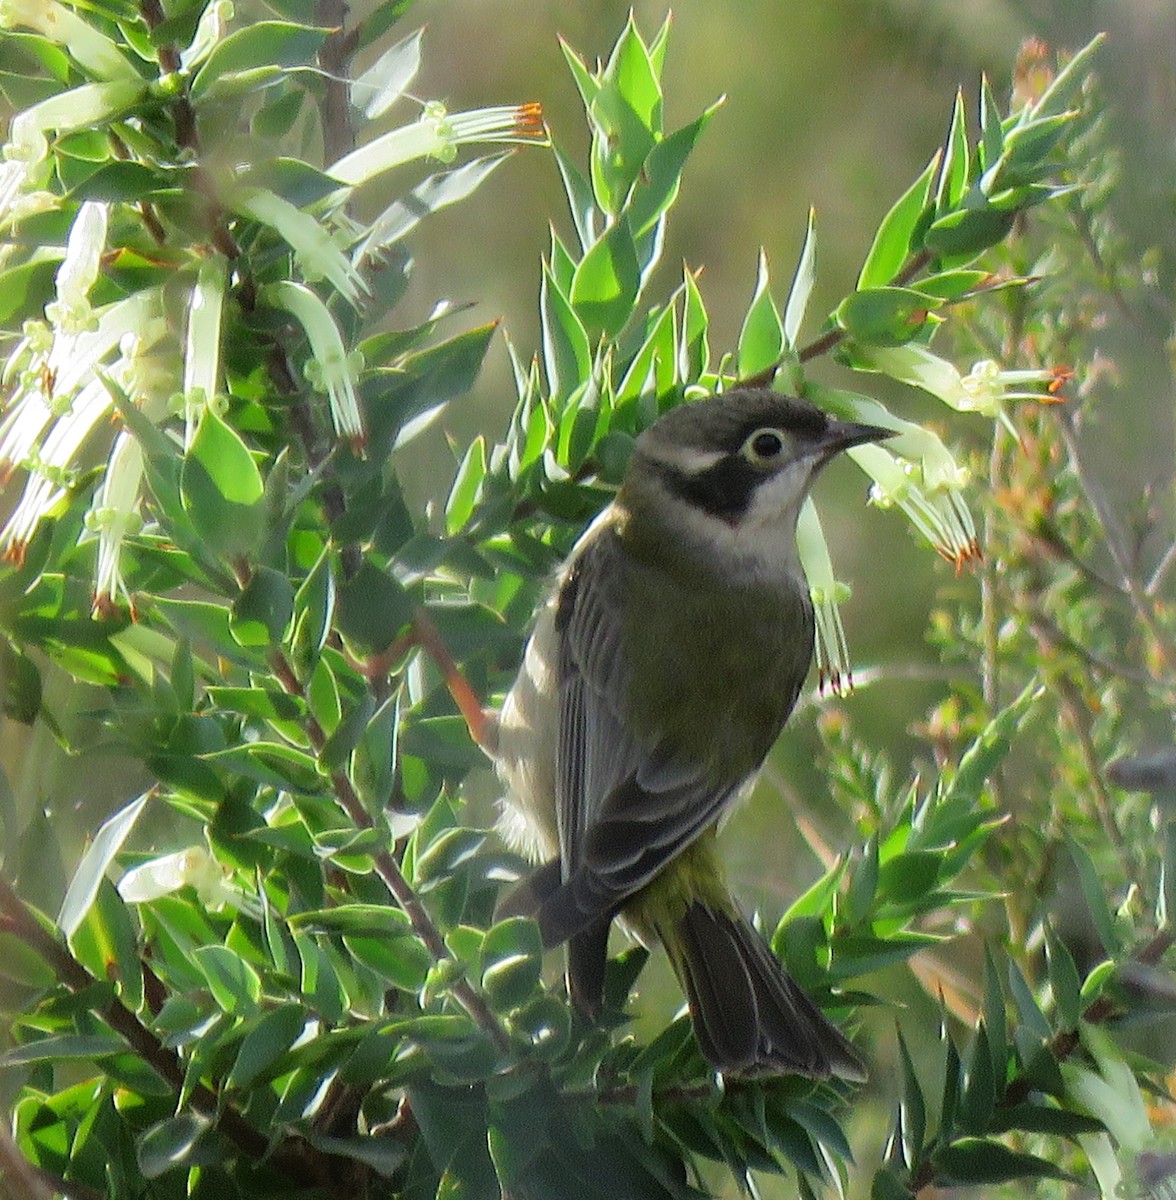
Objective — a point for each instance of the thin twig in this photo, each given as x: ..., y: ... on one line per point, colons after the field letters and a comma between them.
x: 389, y: 870
x: 164, y: 1061
x: 335, y: 60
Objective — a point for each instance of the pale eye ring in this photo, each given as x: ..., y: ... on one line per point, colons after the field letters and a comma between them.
x: 764, y: 447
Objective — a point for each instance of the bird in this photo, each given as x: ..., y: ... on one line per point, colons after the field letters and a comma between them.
x: 659, y: 673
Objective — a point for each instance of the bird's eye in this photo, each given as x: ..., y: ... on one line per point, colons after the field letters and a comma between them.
x: 763, y: 447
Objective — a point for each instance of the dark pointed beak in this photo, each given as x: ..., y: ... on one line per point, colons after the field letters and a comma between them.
x: 841, y: 435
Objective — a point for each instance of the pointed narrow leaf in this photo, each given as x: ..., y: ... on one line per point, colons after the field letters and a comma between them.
x: 1063, y: 980
x: 975, y: 1161
x: 221, y: 488
x: 463, y: 494
x: 169, y: 1143
x: 802, y: 282
x: 606, y: 282
x: 1096, y: 900
x: 953, y: 176
x: 384, y: 82
x: 761, y: 340
x: 913, y: 1110
x: 892, y: 243
x: 265, y: 1043
x: 567, y: 354
x: 92, y: 869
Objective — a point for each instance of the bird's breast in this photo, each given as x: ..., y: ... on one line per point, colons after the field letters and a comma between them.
x: 717, y: 669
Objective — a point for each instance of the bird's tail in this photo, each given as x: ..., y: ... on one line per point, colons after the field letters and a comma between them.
x: 749, y: 1016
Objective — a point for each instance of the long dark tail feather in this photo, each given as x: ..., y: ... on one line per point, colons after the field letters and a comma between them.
x: 749, y: 1016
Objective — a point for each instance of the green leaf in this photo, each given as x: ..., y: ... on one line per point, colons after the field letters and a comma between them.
x: 978, y: 1096
x: 432, y: 194
x: 234, y: 984
x: 1064, y: 980
x: 976, y: 1161
x: 1096, y: 901
x: 221, y: 488
x: 693, y: 349
x: 909, y: 876
x: 802, y: 282
x: 169, y: 1143
x: 863, y: 885
x: 373, y: 609
x: 107, y: 944
x: 261, y: 613
x: 262, y: 45
x: 988, y: 751
x: 567, y: 354
x: 512, y: 962
x: 265, y: 1043
x: 314, y: 611
x: 656, y: 188
x: 892, y: 244
x: 463, y: 495
x: 606, y: 282
x: 913, y: 1109
x: 1166, y: 903
x: 91, y: 1047
x: 995, y: 1022
x: 953, y: 176
x: 964, y: 234
x: 404, y: 960
x: 261, y: 703
x: 1042, y: 1118
x: 1095, y: 981
x: 761, y: 340
x: 274, y: 763
x: 991, y: 126
x: 445, y: 854
x: 886, y: 1186
x: 585, y: 214
x: 384, y: 1155
x: 384, y: 82
x: 885, y: 316
x: 95, y: 862
x: 373, y: 765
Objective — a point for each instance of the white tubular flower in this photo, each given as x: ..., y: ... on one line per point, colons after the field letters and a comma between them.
x: 318, y: 256
x: 833, y: 667
x: 437, y: 134
x: 193, y: 867
x: 50, y: 468
x: 114, y: 516
x: 90, y: 104
x: 938, y: 512
x: 51, y: 464
x: 53, y: 366
x: 331, y: 370
x: 71, y: 312
x: 81, y: 41
x: 202, y: 344
x: 983, y: 390
x: 16, y: 202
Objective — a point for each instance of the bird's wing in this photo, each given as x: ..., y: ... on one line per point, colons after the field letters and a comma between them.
x: 628, y: 800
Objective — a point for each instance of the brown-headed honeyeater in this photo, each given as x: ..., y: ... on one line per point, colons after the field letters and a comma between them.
x: 656, y: 680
